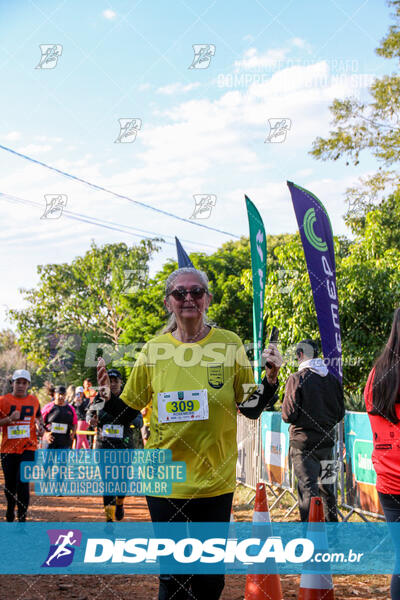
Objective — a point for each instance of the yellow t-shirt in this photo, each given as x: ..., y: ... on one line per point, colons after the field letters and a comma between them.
x: 217, y: 363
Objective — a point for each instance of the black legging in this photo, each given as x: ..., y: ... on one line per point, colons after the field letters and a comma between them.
x: 200, y: 510
x: 307, y: 468
x: 111, y: 500
x: 391, y: 507
x: 16, y: 491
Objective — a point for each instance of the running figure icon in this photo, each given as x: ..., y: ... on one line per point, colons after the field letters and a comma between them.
x: 62, y: 550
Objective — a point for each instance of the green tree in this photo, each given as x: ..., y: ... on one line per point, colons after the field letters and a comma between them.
x: 79, y: 301
x: 11, y: 358
x: 369, y: 288
x: 368, y: 126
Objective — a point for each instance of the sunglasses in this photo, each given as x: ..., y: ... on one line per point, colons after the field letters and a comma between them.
x: 196, y: 293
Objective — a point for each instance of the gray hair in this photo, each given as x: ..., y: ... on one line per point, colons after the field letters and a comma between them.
x: 202, y: 276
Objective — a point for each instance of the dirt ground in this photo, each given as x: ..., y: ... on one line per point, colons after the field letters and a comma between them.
x: 123, y: 587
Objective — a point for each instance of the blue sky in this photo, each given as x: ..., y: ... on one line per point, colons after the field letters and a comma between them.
x: 203, y: 131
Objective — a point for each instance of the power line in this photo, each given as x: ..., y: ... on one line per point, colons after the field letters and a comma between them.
x: 98, y: 187
x: 97, y: 221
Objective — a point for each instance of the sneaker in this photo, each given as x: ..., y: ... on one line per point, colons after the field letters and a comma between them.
x: 119, y: 512
x: 110, y: 513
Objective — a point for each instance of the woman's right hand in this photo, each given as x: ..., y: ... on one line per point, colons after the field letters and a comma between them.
x: 103, y: 380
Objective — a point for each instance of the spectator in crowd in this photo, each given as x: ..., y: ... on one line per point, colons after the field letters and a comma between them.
x: 81, y: 404
x: 113, y: 420
x: 313, y: 404
x: 70, y: 395
x: 50, y: 390
x: 382, y: 401
x: 88, y: 391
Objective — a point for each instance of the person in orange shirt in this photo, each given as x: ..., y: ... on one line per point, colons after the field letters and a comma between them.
x: 88, y: 391
x: 19, y: 418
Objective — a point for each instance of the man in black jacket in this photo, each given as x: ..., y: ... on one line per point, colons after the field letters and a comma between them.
x: 313, y: 404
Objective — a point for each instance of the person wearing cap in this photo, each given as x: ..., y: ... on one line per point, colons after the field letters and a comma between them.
x: 20, y: 420
x: 60, y: 421
x: 81, y: 404
x: 113, y: 420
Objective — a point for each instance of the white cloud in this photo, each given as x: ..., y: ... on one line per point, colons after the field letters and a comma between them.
x: 45, y: 138
x: 274, y: 57
x: 253, y: 60
x: 34, y: 149
x: 13, y: 136
x: 143, y: 87
x: 304, y: 173
x: 177, y: 88
x: 109, y: 14
x: 298, y: 42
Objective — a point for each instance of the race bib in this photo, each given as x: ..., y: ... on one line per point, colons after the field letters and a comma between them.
x: 17, y: 431
x: 113, y: 431
x: 59, y: 428
x: 190, y: 405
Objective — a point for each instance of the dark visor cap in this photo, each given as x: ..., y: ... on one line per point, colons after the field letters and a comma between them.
x: 61, y: 389
x: 114, y: 373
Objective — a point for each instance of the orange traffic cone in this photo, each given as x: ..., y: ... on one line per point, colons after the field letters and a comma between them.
x: 316, y: 586
x: 262, y: 586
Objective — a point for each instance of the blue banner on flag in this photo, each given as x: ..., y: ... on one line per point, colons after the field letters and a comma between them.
x: 317, y: 239
x: 183, y: 258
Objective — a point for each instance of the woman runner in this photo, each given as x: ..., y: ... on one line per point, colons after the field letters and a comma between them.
x: 194, y: 360
x: 81, y: 405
